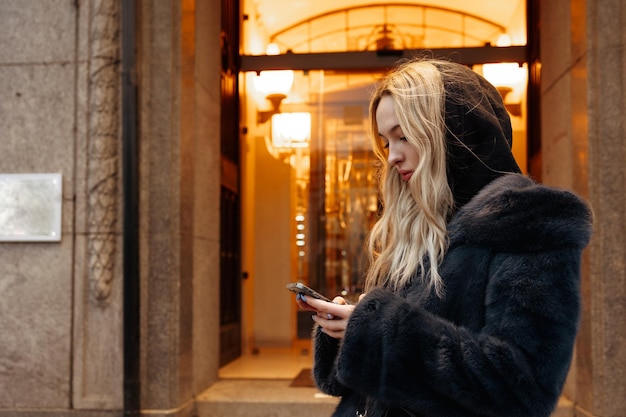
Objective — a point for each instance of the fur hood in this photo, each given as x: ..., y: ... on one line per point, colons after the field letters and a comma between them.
x: 499, y: 342
x: 515, y: 214
x: 478, y: 132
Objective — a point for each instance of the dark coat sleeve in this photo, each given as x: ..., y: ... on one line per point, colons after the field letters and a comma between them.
x: 324, y: 357
x: 403, y: 355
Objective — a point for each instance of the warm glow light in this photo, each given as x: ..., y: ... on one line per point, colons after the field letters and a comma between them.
x: 505, y: 74
x: 504, y: 40
x: 291, y: 130
x: 274, y: 82
x: 510, y: 80
x: 272, y: 49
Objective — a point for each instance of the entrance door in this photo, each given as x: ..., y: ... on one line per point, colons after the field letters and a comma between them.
x: 310, y: 202
x: 311, y: 196
x: 315, y: 193
x: 230, y: 206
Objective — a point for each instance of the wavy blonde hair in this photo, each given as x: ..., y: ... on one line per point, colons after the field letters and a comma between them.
x: 410, y: 238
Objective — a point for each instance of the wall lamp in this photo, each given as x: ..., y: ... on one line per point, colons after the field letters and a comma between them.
x: 509, y: 79
x: 514, y: 108
x: 290, y: 136
x: 263, y: 116
x: 274, y: 86
x: 291, y: 130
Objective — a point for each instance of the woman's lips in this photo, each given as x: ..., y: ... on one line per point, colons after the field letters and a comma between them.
x: 406, y: 175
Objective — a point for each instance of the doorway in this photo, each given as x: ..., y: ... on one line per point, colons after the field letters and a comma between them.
x: 308, y: 200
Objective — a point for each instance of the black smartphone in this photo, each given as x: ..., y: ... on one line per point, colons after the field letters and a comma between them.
x: 300, y: 288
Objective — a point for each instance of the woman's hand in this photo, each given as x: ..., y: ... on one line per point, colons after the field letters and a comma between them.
x: 331, y: 317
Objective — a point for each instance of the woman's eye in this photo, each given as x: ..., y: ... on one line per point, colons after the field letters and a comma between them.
x: 403, y: 138
x: 385, y: 145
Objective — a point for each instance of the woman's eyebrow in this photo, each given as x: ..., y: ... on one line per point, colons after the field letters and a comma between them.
x: 392, y: 130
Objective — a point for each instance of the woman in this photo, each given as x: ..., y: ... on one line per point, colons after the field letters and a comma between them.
x: 472, y: 294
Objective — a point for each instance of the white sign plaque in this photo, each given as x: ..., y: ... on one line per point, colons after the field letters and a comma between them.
x: 30, y: 207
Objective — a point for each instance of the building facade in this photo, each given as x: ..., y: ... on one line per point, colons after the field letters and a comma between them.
x: 123, y: 99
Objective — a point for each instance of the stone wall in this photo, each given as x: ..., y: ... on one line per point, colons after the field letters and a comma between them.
x: 60, y: 112
x: 60, y: 303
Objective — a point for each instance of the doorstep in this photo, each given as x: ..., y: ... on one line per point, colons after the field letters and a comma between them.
x: 275, y: 398
x: 263, y: 398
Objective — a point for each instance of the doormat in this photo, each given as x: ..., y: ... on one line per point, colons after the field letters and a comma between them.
x: 303, y: 379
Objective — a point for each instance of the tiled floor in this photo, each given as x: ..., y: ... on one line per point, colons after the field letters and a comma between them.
x: 258, y: 385
x: 262, y: 398
x: 268, y: 363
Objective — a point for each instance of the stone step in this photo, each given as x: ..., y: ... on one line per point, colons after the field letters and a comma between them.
x: 263, y: 398
x: 275, y: 398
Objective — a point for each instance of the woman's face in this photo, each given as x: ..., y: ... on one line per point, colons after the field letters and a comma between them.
x: 401, y: 154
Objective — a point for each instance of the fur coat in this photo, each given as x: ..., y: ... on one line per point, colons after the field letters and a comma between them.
x: 499, y: 343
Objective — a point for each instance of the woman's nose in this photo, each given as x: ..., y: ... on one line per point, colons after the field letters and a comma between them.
x: 394, y: 155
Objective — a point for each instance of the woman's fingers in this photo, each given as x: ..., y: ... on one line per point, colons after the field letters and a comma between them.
x: 302, y: 305
x: 337, y: 310
x: 331, y: 317
x: 335, y: 327
x: 316, y: 304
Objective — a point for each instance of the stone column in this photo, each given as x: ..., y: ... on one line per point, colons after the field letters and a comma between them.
x: 179, y: 83
x: 584, y: 149
x: 606, y: 91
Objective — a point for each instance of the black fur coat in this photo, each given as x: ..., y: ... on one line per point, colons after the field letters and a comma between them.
x: 499, y: 343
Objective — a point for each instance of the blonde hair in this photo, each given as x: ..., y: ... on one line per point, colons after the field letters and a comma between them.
x: 410, y: 238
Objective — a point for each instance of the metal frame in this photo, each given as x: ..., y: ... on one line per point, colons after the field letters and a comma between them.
x: 370, y: 60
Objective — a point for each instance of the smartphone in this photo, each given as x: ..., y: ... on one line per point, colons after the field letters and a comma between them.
x: 300, y: 288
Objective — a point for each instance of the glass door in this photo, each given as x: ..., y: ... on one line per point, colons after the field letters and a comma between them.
x: 342, y: 195
x: 311, y: 193
x: 313, y: 136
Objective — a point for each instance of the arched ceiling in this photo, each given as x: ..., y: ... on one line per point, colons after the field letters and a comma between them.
x: 266, y: 18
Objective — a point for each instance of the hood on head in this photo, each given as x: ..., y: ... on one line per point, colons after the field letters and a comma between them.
x: 479, y: 134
